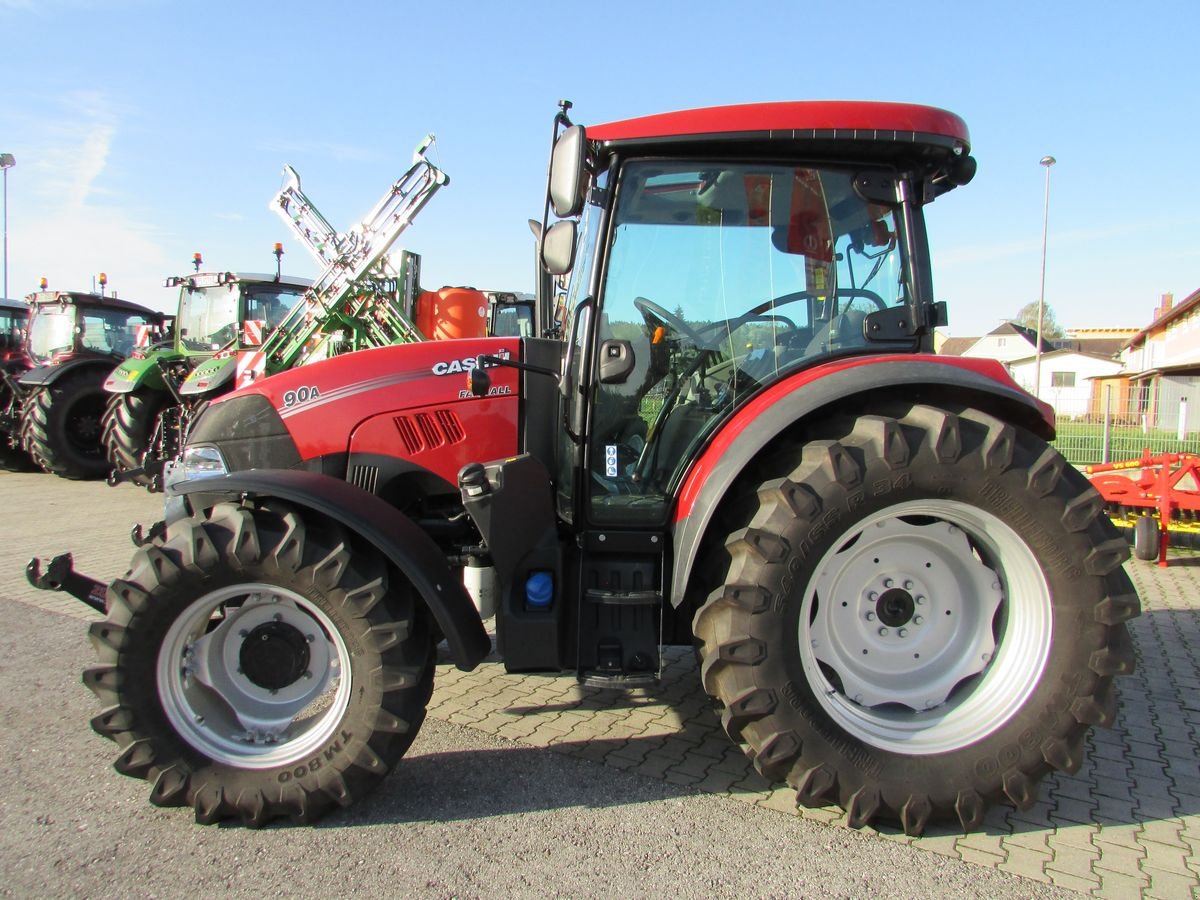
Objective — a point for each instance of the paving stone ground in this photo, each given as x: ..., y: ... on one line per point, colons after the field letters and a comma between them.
x: 1126, y: 824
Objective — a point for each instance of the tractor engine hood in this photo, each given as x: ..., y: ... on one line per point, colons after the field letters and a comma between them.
x: 408, y: 402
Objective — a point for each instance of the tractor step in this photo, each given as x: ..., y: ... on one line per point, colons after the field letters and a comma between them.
x: 60, y: 575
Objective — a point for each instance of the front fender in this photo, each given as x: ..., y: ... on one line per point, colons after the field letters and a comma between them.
x: 209, y: 375
x: 135, y: 373
x: 822, y: 391
x: 409, y: 548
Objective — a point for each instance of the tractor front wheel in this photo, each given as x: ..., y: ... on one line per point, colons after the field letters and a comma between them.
x: 923, y: 615
x: 255, y: 665
x: 130, y: 421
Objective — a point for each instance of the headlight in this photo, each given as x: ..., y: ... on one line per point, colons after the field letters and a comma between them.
x: 202, y: 461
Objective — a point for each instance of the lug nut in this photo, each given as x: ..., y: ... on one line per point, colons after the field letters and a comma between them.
x: 870, y: 617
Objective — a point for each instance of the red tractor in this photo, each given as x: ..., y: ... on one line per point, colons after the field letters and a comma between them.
x: 729, y: 431
x: 14, y: 362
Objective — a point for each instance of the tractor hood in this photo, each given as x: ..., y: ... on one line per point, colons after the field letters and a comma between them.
x: 407, y: 403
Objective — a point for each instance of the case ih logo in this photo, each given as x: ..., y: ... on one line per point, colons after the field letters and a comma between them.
x: 458, y: 366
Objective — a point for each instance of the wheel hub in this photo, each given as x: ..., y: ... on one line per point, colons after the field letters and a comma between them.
x: 895, y: 607
x: 274, y: 655
x: 252, y: 675
x: 904, y: 614
x: 925, y: 626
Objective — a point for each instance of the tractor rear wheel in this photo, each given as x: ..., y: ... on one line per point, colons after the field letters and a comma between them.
x: 923, y: 614
x: 255, y: 665
x: 61, y: 425
x: 129, y: 424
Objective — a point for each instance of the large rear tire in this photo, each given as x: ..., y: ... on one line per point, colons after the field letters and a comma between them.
x: 255, y: 664
x: 130, y: 421
x: 923, y: 614
x: 61, y: 425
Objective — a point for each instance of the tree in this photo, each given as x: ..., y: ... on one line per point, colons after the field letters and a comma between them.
x: 1027, y: 317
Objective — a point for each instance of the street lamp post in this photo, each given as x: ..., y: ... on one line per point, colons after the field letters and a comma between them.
x: 1046, y: 161
x: 7, y: 161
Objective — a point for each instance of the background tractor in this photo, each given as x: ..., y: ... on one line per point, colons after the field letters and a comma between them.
x: 239, y: 327
x: 902, y: 598
x: 14, y: 362
x: 146, y: 416
x: 74, y: 340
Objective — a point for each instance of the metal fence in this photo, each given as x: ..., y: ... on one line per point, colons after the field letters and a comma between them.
x: 1120, y: 422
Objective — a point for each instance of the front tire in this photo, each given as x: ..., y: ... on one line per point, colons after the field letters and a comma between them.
x: 255, y: 665
x: 129, y: 424
x: 923, y: 615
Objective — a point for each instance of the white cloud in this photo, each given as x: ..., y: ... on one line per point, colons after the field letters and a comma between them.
x: 59, y: 224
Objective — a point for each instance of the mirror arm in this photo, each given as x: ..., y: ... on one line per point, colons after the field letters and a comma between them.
x: 483, y: 360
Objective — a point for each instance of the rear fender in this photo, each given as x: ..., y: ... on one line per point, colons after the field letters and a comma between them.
x: 823, y: 391
x: 43, y: 376
x: 409, y: 548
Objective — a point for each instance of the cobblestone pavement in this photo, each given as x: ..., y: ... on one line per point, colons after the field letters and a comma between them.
x: 1127, y: 824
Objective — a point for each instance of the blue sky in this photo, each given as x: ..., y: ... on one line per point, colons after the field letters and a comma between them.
x: 146, y: 130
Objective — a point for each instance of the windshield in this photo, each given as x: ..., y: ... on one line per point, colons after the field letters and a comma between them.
x: 51, y: 331
x: 721, y: 278
x: 208, y: 316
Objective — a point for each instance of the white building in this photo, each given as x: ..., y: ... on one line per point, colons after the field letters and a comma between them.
x: 1066, y: 378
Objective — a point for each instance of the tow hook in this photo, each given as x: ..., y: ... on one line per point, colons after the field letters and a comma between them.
x: 60, y: 575
x: 118, y: 476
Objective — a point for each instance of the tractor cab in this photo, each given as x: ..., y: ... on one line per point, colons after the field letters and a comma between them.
x: 216, y: 308
x: 66, y: 324
x: 701, y: 265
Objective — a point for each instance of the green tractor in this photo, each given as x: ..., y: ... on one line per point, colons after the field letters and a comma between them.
x: 236, y: 328
x: 147, y: 414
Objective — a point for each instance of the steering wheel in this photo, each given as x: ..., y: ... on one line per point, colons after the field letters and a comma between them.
x: 649, y: 309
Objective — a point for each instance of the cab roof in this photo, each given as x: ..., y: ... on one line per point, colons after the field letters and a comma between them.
x: 800, y: 120
x: 42, y: 298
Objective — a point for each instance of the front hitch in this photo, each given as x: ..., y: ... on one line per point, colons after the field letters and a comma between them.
x: 60, y: 575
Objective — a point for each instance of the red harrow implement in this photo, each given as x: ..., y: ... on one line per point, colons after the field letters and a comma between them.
x: 1152, y: 494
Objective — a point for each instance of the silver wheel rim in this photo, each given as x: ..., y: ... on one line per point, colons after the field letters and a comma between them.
x: 926, y: 628
x: 239, y: 716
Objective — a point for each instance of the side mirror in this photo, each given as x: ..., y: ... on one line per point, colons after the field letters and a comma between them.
x: 558, y: 247
x: 567, y: 172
